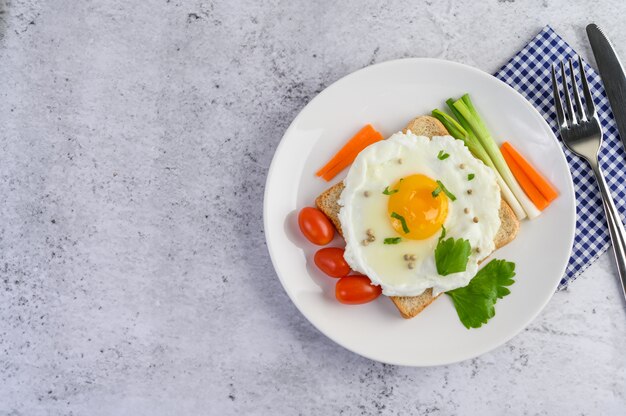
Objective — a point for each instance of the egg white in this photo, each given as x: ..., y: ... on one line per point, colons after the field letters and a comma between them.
x: 377, y: 167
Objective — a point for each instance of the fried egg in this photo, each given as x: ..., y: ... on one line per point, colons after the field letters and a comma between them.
x: 399, y: 195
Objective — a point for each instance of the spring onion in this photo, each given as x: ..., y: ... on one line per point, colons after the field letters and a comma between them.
x: 453, y: 127
x: 470, y: 115
x: 458, y: 132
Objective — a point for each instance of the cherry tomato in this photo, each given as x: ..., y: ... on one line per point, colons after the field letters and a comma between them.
x: 330, y: 260
x: 315, y: 226
x: 353, y: 290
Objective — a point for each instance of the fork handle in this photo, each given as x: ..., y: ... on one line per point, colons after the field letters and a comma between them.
x: 616, y: 227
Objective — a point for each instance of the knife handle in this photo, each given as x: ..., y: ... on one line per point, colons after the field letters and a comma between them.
x: 616, y: 227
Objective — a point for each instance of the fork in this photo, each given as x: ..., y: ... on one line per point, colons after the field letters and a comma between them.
x: 582, y: 134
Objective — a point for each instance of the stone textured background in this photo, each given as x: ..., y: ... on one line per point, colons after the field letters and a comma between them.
x: 135, y: 138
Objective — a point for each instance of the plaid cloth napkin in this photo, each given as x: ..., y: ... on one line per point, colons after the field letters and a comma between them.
x: 528, y: 72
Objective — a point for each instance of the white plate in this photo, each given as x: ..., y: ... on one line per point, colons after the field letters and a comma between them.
x: 388, y: 95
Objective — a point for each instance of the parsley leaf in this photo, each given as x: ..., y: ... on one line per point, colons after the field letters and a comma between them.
x: 388, y: 191
x: 470, y: 176
x: 442, y: 155
x: 475, y: 302
x: 441, y: 187
x: 392, y: 240
x: 451, y: 255
x: 402, y: 221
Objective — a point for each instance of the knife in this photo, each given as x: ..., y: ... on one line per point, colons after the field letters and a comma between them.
x: 612, y: 74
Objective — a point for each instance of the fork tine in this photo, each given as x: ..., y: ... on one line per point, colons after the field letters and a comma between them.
x: 557, y: 100
x: 579, y: 105
x: 570, y: 116
x: 591, y: 108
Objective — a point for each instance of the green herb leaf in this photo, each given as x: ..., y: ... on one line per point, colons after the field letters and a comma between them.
x: 442, y: 155
x: 392, y: 240
x: 451, y: 255
x: 470, y: 176
x: 402, y: 221
x: 475, y: 303
x: 388, y: 191
x: 441, y: 187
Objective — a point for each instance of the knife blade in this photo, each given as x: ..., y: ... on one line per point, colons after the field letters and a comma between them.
x: 612, y: 74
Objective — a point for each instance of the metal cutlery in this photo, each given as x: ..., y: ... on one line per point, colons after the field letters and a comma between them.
x: 613, y: 75
x: 582, y: 134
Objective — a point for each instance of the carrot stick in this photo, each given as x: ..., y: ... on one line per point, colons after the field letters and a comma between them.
x: 342, y: 164
x: 524, y: 181
x: 541, y: 183
x: 355, y: 144
x: 356, y: 141
x: 344, y: 157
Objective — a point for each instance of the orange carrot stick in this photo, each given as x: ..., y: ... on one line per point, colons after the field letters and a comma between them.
x: 344, y: 157
x: 541, y: 183
x: 341, y: 165
x: 355, y: 142
x: 524, y: 181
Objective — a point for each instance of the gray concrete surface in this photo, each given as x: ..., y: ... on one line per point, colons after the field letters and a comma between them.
x: 134, y: 279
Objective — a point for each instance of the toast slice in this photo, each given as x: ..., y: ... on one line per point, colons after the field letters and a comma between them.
x: 410, y: 306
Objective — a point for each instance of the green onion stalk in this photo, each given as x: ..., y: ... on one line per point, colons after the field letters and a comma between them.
x: 467, y: 112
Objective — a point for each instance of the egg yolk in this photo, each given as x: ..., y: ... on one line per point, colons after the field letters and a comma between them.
x: 423, y: 213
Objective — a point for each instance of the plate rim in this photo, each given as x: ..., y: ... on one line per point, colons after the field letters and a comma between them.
x: 272, y: 171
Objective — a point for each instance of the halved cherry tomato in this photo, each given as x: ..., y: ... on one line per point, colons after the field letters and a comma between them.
x: 315, y: 226
x: 353, y: 290
x: 330, y: 260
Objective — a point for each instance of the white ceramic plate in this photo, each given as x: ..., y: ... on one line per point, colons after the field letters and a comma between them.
x: 388, y: 95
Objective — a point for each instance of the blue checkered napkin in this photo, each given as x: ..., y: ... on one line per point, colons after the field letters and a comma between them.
x: 528, y: 72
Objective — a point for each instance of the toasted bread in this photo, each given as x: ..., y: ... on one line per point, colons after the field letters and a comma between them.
x: 410, y: 306
x: 426, y: 126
